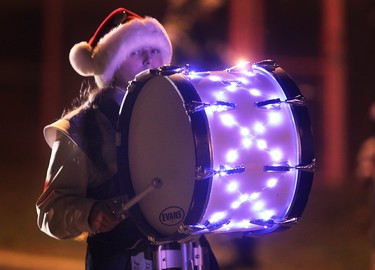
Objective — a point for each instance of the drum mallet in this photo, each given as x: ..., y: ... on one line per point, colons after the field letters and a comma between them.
x: 156, y: 183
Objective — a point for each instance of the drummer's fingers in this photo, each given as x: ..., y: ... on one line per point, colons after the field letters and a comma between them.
x: 107, y: 226
x: 101, y: 218
x: 104, y: 218
x: 106, y: 222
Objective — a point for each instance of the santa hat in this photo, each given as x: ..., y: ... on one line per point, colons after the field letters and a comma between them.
x: 121, y: 33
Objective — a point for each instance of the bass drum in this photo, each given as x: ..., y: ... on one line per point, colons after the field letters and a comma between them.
x: 233, y: 150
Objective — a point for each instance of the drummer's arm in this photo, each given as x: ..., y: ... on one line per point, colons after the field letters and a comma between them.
x: 63, y: 208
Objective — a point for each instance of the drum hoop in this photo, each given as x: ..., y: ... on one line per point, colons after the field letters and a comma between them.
x: 125, y: 115
x: 203, y: 149
x: 305, y: 135
x: 203, y: 153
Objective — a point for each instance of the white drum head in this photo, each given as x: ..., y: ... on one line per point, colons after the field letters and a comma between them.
x: 161, y: 145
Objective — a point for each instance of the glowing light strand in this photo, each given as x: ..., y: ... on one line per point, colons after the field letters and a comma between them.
x: 260, y: 214
x: 266, y: 216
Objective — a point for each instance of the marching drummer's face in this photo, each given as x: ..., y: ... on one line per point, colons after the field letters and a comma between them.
x: 138, y: 60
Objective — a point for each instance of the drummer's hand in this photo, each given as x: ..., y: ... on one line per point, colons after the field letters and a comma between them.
x: 103, y: 216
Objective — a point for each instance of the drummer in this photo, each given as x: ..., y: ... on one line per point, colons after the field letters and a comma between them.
x: 83, y: 193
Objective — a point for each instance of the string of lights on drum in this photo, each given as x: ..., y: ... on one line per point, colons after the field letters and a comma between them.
x: 247, y: 119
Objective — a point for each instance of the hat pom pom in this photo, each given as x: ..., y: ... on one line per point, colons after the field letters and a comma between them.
x: 81, y: 59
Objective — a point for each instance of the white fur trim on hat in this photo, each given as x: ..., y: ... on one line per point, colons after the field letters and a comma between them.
x: 103, y: 60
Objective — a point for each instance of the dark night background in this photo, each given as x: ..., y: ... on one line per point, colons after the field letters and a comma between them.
x: 333, y: 233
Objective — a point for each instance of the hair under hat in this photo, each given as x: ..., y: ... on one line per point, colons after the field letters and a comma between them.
x: 101, y: 60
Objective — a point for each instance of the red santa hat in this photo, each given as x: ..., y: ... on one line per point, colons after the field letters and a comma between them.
x: 120, y: 34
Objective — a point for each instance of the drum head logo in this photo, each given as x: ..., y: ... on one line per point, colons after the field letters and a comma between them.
x: 172, y: 216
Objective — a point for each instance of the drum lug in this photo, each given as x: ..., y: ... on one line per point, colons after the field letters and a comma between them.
x: 297, y: 101
x: 307, y: 168
x: 204, y: 173
x: 192, y: 229
x: 286, y: 167
x: 269, y: 223
x: 218, y: 106
x: 168, y: 70
x: 275, y: 103
x: 289, y: 221
x: 201, y: 229
x: 212, y: 226
x: 269, y: 65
